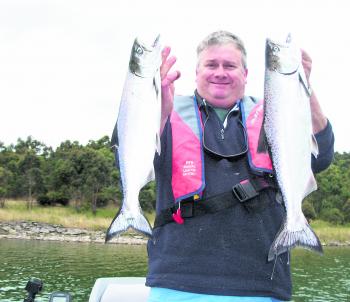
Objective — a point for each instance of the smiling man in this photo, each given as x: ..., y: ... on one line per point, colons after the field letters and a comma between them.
x: 217, y: 214
x: 221, y: 74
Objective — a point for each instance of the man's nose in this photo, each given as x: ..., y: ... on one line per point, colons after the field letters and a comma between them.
x: 220, y: 71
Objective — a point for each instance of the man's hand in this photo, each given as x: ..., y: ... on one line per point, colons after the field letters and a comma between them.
x: 307, y: 64
x: 319, y: 121
x: 168, y: 78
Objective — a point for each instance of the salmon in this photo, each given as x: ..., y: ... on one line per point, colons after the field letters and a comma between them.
x: 136, y: 135
x: 288, y: 129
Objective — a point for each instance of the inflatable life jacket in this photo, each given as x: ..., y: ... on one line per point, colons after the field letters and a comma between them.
x: 188, y: 175
x: 187, y: 152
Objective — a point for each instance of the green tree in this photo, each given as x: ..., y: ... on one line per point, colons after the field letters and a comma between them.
x: 29, y: 166
x: 346, y: 211
x: 5, y: 177
x: 96, y: 175
x: 309, y: 210
x: 333, y: 215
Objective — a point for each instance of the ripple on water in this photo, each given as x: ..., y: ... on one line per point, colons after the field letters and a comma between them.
x: 74, y: 267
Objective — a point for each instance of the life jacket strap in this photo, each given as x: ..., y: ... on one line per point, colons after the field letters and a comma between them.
x: 241, y: 193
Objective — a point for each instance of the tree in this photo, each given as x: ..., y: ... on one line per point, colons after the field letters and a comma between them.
x: 29, y: 165
x: 97, y: 174
x: 147, y: 197
x: 30, y: 144
x: 309, y: 210
x: 333, y: 215
x: 5, y: 176
x: 102, y: 143
x: 346, y: 211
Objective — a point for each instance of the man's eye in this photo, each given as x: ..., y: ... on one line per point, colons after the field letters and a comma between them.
x: 211, y: 65
x: 230, y: 66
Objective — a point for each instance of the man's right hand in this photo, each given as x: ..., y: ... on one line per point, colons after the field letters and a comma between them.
x: 168, y: 88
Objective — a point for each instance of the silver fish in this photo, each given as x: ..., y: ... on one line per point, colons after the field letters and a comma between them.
x: 136, y: 134
x: 288, y: 129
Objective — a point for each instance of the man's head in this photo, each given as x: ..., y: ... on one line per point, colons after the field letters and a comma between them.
x: 221, y: 69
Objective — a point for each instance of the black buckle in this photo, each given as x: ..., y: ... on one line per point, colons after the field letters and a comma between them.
x: 187, y: 209
x: 244, y: 190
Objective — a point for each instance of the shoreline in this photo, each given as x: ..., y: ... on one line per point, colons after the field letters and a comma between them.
x: 29, y: 230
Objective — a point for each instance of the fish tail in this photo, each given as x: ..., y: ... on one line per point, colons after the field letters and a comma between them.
x: 125, y: 220
x: 287, y: 239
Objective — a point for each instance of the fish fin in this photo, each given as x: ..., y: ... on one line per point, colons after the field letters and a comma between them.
x: 158, y: 143
x: 286, y: 240
x: 289, y: 38
x: 314, y: 146
x: 151, y: 176
x: 157, y: 85
x: 311, y: 185
x: 116, y: 157
x: 262, y: 142
x: 303, y: 80
x: 125, y: 220
x: 114, y: 138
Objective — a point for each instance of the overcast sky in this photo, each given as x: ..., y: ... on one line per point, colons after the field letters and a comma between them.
x: 63, y: 63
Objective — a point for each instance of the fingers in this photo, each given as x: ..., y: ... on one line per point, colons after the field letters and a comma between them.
x: 307, y: 63
x: 167, y: 64
x: 170, y: 78
x: 305, y: 56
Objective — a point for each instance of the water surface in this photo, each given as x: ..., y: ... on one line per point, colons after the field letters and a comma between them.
x: 74, y: 267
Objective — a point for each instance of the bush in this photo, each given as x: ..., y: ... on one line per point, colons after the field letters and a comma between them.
x: 52, y: 198
x: 333, y: 215
x: 102, y: 200
x: 309, y: 210
x: 346, y: 211
x: 147, y: 200
x: 43, y: 200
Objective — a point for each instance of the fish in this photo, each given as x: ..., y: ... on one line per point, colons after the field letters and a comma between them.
x: 288, y: 131
x: 136, y: 137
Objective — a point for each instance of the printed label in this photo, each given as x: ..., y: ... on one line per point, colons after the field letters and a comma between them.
x: 189, y: 168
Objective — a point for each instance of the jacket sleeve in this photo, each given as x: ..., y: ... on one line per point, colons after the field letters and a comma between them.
x: 325, y: 141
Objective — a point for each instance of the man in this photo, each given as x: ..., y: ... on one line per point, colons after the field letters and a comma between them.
x: 209, y: 247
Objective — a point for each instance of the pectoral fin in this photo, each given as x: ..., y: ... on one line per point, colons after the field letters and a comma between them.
x: 114, y: 139
x: 314, y: 146
x: 311, y: 185
x: 262, y: 143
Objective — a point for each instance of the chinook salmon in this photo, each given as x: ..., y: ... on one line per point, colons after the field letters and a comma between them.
x: 288, y: 130
x: 136, y: 134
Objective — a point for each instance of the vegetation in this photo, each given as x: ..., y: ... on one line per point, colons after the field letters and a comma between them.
x: 83, y: 176
x: 331, y: 201
x: 84, y: 179
x: 66, y: 216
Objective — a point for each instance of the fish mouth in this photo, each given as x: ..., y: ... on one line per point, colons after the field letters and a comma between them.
x: 142, y: 42
x: 145, y: 57
x: 282, y: 57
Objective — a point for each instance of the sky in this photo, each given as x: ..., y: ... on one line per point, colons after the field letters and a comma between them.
x: 63, y: 62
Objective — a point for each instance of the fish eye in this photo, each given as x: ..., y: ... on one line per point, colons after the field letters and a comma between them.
x: 139, y: 50
x: 276, y: 49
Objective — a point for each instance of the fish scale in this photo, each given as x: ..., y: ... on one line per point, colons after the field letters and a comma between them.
x: 136, y: 135
x: 288, y: 130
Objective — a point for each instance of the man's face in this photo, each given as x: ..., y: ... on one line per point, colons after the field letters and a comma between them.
x: 220, y: 75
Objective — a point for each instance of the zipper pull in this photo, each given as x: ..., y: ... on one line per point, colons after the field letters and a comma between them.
x: 222, y: 134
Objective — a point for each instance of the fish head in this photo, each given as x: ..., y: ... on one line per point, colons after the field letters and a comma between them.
x: 145, y: 58
x: 282, y: 57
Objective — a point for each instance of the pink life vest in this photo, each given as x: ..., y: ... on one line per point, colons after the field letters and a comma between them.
x: 188, y: 178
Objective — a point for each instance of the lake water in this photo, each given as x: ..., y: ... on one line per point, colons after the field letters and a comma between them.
x: 74, y: 267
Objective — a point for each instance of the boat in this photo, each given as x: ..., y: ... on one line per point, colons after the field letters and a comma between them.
x: 123, y: 289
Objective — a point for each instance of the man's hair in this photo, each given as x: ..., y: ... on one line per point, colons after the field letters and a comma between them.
x: 223, y: 37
